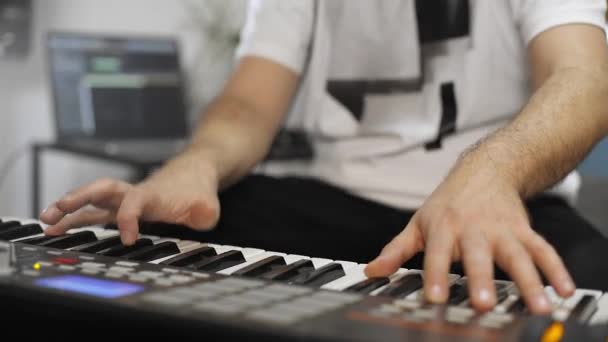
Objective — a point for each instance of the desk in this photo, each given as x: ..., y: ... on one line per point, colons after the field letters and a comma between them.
x: 141, y: 167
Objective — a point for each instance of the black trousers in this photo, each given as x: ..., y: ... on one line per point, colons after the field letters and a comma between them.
x: 309, y: 217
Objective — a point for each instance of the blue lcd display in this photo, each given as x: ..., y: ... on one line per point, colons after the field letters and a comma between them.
x: 90, y: 286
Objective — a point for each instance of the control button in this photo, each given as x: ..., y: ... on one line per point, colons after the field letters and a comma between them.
x: 164, y: 299
x: 170, y: 270
x: 30, y: 273
x: 199, y: 275
x: 30, y: 249
x: 120, y: 269
x: 239, y: 282
x: 91, y: 271
x: 138, y: 278
x: 390, y: 309
x: 66, y: 267
x: 267, y: 294
x: 115, y: 275
x: 45, y: 263
x: 127, y: 263
x: 249, y: 301
x: 65, y: 261
x: 312, y: 304
x: 407, y: 304
x: 290, y: 290
x: 297, y: 310
x: 163, y: 282
x: 88, y: 264
x: 86, y: 257
x: 218, y: 307
x: 55, y: 252
x: 151, y: 274
x: 273, y: 317
x: 336, y: 297
x: 180, y: 279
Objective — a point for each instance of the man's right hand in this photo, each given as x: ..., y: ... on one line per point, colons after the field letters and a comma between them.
x: 184, y: 192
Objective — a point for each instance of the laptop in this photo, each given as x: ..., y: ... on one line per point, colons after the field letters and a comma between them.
x: 120, y: 95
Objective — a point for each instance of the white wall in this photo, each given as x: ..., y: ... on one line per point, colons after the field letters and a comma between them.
x: 25, y: 108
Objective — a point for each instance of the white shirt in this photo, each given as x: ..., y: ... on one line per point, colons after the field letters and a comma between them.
x: 383, y: 154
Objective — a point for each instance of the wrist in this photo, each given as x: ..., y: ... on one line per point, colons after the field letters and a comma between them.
x: 194, y: 162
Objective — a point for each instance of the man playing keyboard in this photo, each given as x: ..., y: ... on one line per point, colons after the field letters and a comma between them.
x: 446, y: 129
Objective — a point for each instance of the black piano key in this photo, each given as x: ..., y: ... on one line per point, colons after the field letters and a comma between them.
x: 518, y: 307
x: 583, y: 310
x: 154, y: 252
x: 19, y: 232
x: 220, y: 262
x: 320, y: 276
x: 9, y: 225
x: 261, y: 267
x: 121, y: 250
x: 37, y: 239
x: 368, y: 285
x: 459, y: 292
x: 96, y: 246
x: 402, y: 287
x: 291, y: 271
x: 70, y: 240
x: 190, y: 257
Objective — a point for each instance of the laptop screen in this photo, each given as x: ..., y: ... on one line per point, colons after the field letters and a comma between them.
x: 116, y: 87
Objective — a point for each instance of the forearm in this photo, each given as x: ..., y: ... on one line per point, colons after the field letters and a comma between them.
x: 231, y: 138
x: 566, y: 116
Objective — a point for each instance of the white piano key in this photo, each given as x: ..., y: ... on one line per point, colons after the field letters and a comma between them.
x: 601, y: 315
x: 570, y: 302
x: 291, y: 258
x: 320, y: 262
x: 346, y: 265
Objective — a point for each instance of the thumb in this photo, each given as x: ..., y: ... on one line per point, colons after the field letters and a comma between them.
x: 395, y: 253
x: 128, y: 216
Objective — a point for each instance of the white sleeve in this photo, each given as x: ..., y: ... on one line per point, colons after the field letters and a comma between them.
x: 278, y: 30
x: 536, y: 16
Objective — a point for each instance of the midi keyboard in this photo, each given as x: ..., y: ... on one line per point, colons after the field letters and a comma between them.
x: 172, y: 287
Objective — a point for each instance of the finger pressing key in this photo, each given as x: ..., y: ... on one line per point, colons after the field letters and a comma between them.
x: 479, y: 268
x: 515, y: 260
x: 545, y: 256
x: 437, y: 259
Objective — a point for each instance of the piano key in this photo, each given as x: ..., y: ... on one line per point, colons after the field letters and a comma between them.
x: 118, y: 251
x: 262, y: 266
x: 9, y: 224
x: 570, y: 302
x: 320, y: 262
x: 405, y: 285
x: 34, y: 240
x: 99, y: 245
x: 459, y: 292
x: 353, y: 275
x: 191, y: 257
x: 368, y: 285
x: 290, y: 271
x: 220, y: 261
x: 253, y: 259
x: 70, y: 240
x: 159, y: 250
x: 584, y: 309
x: 17, y: 232
x: 346, y: 265
x: 184, y: 246
x: 321, y: 275
x: 601, y: 315
x: 518, y: 307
